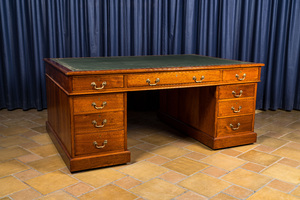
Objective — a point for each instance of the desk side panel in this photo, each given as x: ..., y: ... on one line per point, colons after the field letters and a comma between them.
x: 59, y: 117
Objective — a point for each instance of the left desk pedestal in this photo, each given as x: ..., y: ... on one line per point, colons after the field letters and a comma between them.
x: 90, y: 130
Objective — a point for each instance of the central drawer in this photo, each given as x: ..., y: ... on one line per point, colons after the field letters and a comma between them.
x: 93, y: 123
x: 105, y: 141
x: 168, y: 78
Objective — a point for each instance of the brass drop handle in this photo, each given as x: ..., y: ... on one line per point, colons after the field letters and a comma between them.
x: 235, y: 128
x: 101, y: 107
x: 240, y: 79
x: 98, y: 88
x: 98, y: 146
x: 236, y: 111
x: 152, y: 84
x: 99, y: 126
x: 237, y: 95
x: 201, y: 79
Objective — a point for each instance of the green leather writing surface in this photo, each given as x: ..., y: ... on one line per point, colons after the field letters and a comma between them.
x: 140, y: 62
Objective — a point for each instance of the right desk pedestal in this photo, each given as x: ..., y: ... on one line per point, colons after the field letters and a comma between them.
x: 217, y: 116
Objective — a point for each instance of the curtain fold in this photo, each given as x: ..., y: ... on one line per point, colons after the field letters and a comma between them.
x: 266, y: 31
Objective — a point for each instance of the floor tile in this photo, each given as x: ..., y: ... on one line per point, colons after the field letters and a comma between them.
x: 264, y: 148
x: 288, y: 152
x: 253, y: 167
x: 282, y: 186
x: 78, y: 189
x: 223, y: 161
x: 271, y: 194
x: 191, y: 196
x: 231, y: 152
x: 29, y: 158
x: 185, y: 166
x: 289, y: 162
x: 238, y: 192
x: 144, y: 170
x: 200, y: 148
x: 40, y: 129
x: 195, y: 156
x: 45, y: 150
x: 296, y: 192
x: 138, y: 154
x: 110, y: 192
x: 13, y: 140
x: 99, y: 177
x: 132, y: 142
x: 204, y: 184
x: 13, y: 131
x: 158, y: 140
x: 159, y: 160
x: 214, y: 171
x: 51, y: 182
x: 57, y: 196
x: 127, y: 182
x: 10, y: 185
x: 12, y: 152
x: 48, y: 164
x: 247, y: 179
x: 172, y: 177
x: 222, y: 196
x: 259, y: 157
x: 284, y: 173
x: 11, y: 167
x: 170, y: 151
x: 28, y: 194
x: 157, y: 189
x: 28, y: 174
x: 42, y: 138
x: 244, y: 148
x: 271, y: 142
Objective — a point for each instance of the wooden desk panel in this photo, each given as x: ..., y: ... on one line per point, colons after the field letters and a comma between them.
x: 87, y: 102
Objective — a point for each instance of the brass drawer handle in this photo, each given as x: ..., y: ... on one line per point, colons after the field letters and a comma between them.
x: 98, y: 146
x: 152, y: 84
x: 240, y: 79
x: 99, y: 126
x: 98, y: 88
x: 237, y: 95
x: 201, y: 79
x: 101, y: 107
x: 236, y: 111
x: 238, y: 126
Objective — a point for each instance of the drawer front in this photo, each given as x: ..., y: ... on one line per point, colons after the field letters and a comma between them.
x: 236, y: 91
x: 98, y: 103
x: 90, y: 83
x: 241, y: 75
x: 99, y: 142
x: 236, y: 107
x: 168, y: 78
x: 96, y: 123
x: 234, y: 125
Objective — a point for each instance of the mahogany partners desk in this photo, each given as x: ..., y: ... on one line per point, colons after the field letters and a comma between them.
x: 87, y: 102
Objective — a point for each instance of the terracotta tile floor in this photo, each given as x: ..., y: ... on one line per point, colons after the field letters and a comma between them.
x: 165, y: 164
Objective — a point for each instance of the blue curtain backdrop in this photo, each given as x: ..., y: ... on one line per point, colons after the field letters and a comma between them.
x: 266, y: 31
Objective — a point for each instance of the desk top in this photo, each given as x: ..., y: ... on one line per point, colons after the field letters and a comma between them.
x: 141, y: 62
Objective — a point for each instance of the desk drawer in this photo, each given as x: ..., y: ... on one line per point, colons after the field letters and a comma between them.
x: 236, y: 91
x: 241, y: 75
x: 105, y: 141
x: 96, y: 123
x: 102, y: 82
x: 169, y: 78
x: 236, y: 107
x: 98, y: 103
x: 234, y: 125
